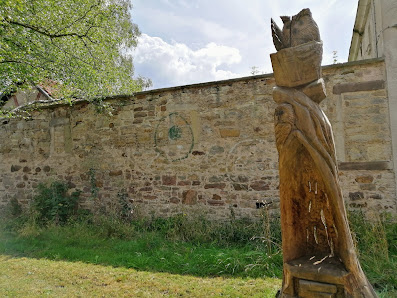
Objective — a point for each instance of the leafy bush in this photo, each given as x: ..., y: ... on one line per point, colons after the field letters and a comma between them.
x: 15, y: 208
x: 12, y: 210
x: 53, y: 204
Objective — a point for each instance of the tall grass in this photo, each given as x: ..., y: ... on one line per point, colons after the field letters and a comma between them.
x: 189, y: 243
x: 184, y: 244
x: 376, y: 243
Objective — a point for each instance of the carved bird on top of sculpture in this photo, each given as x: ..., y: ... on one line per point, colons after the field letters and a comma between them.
x: 299, y: 53
x: 297, y: 30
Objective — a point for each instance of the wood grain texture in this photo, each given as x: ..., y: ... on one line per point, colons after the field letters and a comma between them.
x: 316, y: 239
x: 313, y: 215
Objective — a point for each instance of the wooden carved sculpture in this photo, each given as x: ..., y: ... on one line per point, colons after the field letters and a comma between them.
x: 318, y: 251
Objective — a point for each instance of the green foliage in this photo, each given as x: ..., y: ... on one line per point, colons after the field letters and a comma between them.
x: 193, y: 244
x: 13, y: 208
x: 125, y: 206
x: 112, y: 219
x: 94, y: 187
x: 83, y: 45
x: 107, y: 227
x: 269, y: 228
x: 335, y: 57
x: 376, y: 241
x: 53, y: 204
x: 198, y: 228
x: 155, y: 244
x: 12, y: 216
x: 255, y: 71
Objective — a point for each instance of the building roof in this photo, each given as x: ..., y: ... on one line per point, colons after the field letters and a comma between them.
x: 359, y: 27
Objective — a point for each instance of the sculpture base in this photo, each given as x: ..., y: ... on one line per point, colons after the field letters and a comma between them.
x: 315, y: 276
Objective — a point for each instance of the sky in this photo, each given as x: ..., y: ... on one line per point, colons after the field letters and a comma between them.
x: 194, y: 41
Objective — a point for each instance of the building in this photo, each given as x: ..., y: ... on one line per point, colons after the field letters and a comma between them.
x: 375, y: 36
x: 37, y: 93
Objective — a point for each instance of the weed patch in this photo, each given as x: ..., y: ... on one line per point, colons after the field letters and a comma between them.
x: 376, y: 242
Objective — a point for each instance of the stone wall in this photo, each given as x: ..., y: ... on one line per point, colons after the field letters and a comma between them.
x: 208, y: 146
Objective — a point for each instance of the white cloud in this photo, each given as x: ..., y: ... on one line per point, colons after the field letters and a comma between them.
x: 177, y: 64
x: 188, y: 27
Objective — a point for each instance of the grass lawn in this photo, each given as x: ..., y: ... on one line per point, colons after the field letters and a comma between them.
x: 73, y: 261
x: 166, y: 257
x: 29, y: 277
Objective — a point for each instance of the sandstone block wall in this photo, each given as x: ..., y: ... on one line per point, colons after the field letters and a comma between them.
x: 204, y: 147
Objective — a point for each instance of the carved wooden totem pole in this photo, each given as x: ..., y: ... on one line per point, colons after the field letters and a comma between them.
x: 318, y: 251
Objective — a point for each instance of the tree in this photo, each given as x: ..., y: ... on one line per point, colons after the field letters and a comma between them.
x: 255, y: 71
x: 84, y: 45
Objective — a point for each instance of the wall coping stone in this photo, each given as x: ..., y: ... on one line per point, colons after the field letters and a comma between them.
x: 132, y: 97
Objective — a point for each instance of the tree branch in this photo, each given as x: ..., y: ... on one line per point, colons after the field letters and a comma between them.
x: 23, y: 62
x: 80, y: 18
x: 74, y: 56
x: 10, y: 61
x: 43, y: 32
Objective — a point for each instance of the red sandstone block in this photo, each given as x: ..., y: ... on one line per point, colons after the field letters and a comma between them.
x: 215, y: 203
x: 140, y: 114
x: 216, y: 197
x: 215, y: 185
x: 115, y: 173
x: 169, y: 180
x: 21, y: 185
x: 259, y: 185
x: 184, y: 183
x: 174, y: 200
x: 146, y: 189
x: 189, y: 197
x: 238, y: 186
x: 137, y: 121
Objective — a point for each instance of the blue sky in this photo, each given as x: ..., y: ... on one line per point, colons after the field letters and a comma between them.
x: 186, y: 42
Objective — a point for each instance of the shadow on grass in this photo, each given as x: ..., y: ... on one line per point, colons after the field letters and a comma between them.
x: 146, y: 252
